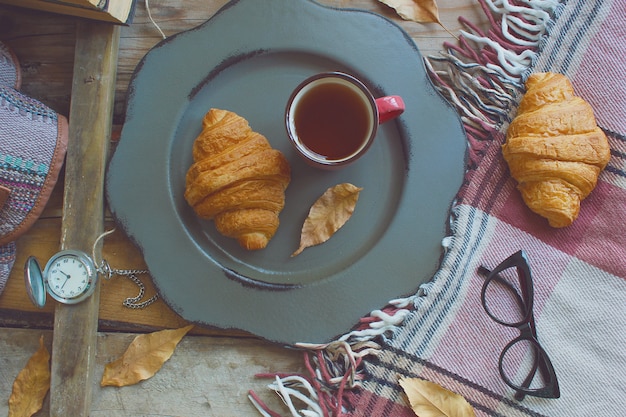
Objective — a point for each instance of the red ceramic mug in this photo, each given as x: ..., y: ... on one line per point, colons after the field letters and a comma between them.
x: 332, y: 118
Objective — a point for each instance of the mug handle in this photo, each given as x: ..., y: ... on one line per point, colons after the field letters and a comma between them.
x: 389, y: 107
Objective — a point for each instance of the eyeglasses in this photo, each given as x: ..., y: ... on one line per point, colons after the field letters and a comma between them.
x: 507, y: 297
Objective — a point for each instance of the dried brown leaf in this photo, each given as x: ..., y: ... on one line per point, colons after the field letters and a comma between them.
x: 31, y: 385
x: 328, y: 214
x: 431, y: 400
x: 144, y: 357
x: 421, y: 11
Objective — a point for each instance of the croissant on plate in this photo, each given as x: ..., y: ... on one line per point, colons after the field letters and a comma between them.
x: 237, y: 179
x: 554, y: 148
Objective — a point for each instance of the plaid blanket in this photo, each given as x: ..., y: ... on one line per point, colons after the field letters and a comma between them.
x: 443, y: 334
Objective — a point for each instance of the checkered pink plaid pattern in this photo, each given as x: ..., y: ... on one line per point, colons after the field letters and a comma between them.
x: 579, y: 272
x: 442, y: 333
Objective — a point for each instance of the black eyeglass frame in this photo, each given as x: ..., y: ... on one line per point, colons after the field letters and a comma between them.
x: 526, y: 326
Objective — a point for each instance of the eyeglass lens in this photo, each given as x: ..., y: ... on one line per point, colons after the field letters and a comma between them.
x: 503, y: 298
x: 519, y: 364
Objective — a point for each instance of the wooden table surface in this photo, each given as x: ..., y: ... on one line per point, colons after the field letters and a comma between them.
x: 211, y: 371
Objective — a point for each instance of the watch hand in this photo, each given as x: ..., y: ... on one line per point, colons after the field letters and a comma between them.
x: 67, y: 278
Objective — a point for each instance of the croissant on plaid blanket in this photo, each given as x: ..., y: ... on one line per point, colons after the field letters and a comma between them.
x: 442, y: 333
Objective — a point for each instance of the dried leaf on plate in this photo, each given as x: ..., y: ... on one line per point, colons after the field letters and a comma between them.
x: 31, y: 385
x: 144, y: 357
x: 328, y: 214
x: 431, y: 400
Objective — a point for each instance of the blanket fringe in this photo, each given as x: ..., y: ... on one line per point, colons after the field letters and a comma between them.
x: 482, y: 77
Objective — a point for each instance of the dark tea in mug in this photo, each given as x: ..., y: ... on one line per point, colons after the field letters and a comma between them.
x: 333, y: 120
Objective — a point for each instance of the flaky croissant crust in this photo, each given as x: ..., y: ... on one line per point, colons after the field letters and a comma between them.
x: 554, y: 148
x: 237, y: 179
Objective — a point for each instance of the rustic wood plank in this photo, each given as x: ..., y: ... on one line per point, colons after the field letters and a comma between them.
x: 206, y: 376
x: 42, y: 241
x: 44, y: 45
x: 43, y: 40
x: 75, y: 326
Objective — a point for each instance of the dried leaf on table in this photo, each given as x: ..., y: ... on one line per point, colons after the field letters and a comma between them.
x: 328, y: 214
x: 144, y: 357
x: 31, y: 385
x: 431, y: 400
x: 420, y: 11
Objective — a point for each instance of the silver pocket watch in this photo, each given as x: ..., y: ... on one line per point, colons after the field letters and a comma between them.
x: 71, y: 276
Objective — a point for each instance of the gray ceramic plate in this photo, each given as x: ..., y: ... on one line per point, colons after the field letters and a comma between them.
x: 248, y: 58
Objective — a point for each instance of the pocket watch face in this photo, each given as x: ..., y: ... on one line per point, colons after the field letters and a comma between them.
x: 69, y: 277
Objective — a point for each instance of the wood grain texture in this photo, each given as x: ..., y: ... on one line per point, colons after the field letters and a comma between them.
x: 205, y: 377
x: 76, y: 326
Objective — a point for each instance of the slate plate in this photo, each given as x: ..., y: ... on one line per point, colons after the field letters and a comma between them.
x: 248, y: 58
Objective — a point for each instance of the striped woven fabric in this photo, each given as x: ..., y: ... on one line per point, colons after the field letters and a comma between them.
x: 7, y: 259
x: 27, y: 151
x: 443, y: 334
x: 33, y: 141
x: 10, y: 73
